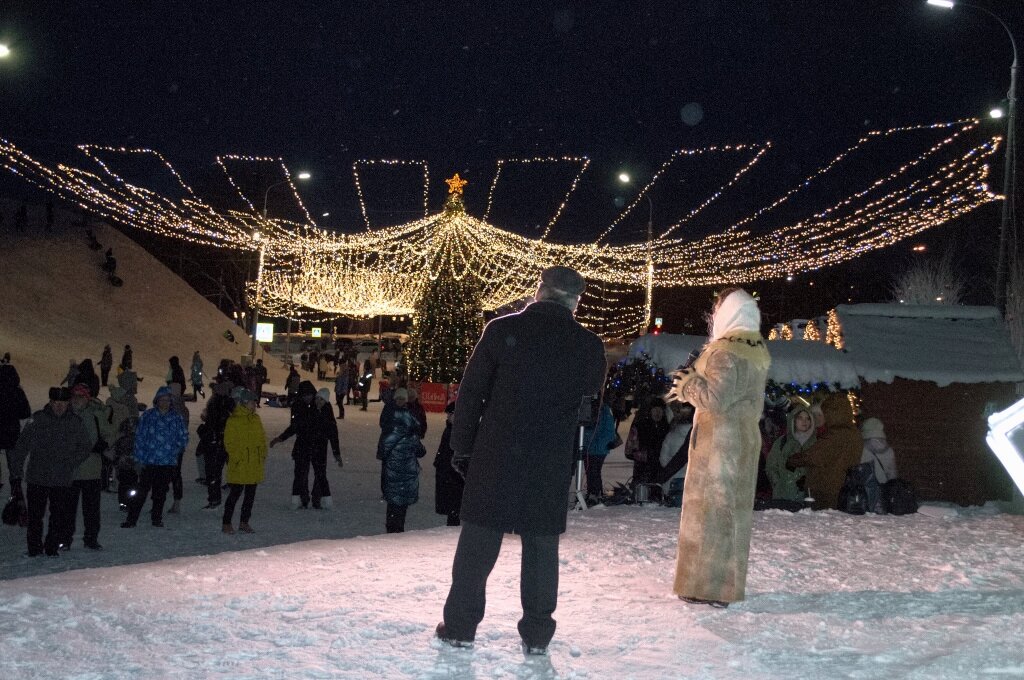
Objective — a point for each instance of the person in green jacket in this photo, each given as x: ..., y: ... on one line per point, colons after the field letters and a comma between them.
x: 246, y: 445
x: 799, y: 437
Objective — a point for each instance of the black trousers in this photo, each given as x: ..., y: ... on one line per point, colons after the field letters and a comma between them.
x: 104, y: 374
x: 214, y: 463
x: 340, y: 398
x: 155, y: 478
x: 127, y: 481
x: 176, y: 481
x: 394, y: 521
x: 538, y: 584
x: 593, y: 465
x: 234, y: 491
x: 300, y: 480
x: 321, y: 488
x: 38, y: 497
x: 90, y: 491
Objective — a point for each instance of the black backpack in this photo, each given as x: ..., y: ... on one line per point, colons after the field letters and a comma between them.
x: 853, y: 497
x: 898, y: 497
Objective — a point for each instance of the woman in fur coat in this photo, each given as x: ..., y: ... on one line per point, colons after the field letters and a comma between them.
x: 726, y: 385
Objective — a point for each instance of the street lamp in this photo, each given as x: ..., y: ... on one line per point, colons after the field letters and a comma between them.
x: 5, y: 51
x: 648, y: 303
x: 1008, y: 224
x: 257, y: 237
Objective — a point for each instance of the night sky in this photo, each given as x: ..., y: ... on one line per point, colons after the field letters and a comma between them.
x: 464, y: 84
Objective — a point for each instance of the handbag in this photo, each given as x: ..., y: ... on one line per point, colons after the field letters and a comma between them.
x: 853, y: 497
x: 15, y: 513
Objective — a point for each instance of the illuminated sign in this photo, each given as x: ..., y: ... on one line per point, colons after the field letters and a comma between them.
x: 315, y: 331
x: 264, y: 332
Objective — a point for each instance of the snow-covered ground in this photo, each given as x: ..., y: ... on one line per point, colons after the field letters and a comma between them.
x: 324, y: 594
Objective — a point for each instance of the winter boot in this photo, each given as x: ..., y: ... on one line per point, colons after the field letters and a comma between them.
x: 326, y: 503
x: 175, y: 507
x: 296, y: 502
x: 442, y: 634
x: 228, y: 529
x: 245, y: 528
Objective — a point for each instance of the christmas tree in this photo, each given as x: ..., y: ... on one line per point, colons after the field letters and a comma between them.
x: 448, y: 316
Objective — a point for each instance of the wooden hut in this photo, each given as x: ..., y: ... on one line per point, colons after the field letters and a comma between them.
x: 933, y: 373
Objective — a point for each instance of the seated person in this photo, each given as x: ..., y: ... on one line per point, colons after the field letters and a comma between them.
x: 877, y: 451
x: 787, y: 484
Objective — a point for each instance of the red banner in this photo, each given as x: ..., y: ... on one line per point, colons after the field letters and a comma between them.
x: 435, y: 396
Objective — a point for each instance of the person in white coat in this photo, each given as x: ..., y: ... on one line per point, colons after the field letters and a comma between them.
x: 877, y: 451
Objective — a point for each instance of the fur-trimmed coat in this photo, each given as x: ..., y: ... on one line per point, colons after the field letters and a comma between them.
x: 832, y: 454
x: 726, y: 385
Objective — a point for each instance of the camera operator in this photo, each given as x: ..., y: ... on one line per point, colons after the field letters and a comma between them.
x: 515, y: 430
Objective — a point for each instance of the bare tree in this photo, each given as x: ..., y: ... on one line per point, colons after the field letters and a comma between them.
x: 930, y: 282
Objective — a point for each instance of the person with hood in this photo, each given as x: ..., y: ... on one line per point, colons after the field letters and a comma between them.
x: 88, y: 479
x: 128, y: 380
x: 828, y: 459
x: 305, y: 425
x: 197, y: 377
x: 55, y: 442
x: 159, y: 438
x: 597, y: 438
x: 245, y: 444
x: 878, y: 452
x: 106, y: 363
x: 126, y: 358
x: 726, y: 387
x: 326, y: 433
x: 175, y: 373
x: 799, y: 436
x: 400, y: 450
x: 449, y: 484
x: 177, y: 483
x: 516, y: 423
x: 643, y: 444
x: 87, y: 376
x: 14, y: 408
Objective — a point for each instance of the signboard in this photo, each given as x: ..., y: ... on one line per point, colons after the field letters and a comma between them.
x: 435, y: 396
x: 315, y: 331
x: 1006, y: 439
x: 264, y: 332
x: 657, y: 321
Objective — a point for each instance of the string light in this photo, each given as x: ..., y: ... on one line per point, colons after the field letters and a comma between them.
x: 359, y: 185
x: 310, y: 274
x: 582, y: 160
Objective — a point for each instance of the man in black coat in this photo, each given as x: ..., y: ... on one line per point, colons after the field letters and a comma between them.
x: 305, y: 424
x: 516, y: 422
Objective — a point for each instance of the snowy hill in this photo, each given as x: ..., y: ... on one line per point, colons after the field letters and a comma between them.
x: 57, y: 305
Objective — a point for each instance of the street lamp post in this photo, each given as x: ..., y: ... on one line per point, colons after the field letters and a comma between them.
x: 1008, y: 222
x: 257, y: 236
x: 649, y: 299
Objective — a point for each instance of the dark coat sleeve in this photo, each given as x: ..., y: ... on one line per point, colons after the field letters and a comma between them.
x: 474, y: 393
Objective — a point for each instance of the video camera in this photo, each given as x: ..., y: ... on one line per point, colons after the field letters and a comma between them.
x: 589, y: 410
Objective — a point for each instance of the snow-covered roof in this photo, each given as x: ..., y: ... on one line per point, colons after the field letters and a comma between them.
x: 943, y: 344
x: 793, y: 361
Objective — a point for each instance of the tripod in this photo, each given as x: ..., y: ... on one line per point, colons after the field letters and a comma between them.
x: 581, y: 498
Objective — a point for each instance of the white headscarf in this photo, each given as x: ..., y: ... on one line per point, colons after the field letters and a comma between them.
x: 738, y: 312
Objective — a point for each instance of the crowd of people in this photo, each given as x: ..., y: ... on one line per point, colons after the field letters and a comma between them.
x: 67, y: 454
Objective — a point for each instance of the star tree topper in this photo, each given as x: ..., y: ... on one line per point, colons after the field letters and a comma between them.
x: 455, y: 184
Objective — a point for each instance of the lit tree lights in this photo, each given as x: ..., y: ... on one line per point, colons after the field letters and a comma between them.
x: 311, y: 273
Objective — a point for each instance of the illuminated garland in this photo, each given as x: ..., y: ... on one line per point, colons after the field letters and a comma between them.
x: 309, y: 273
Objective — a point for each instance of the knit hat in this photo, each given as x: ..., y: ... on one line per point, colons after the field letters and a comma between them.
x: 872, y: 428
x: 324, y: 394
x: 564, y: 279
x: 80, y: 390
x: 737, y: 312
x: 306, y: 387
x: 60, y: 394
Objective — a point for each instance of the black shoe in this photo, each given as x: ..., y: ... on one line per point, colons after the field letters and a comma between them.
x: 717, y: 604
x: 530, y: 650
x: 211, y: 506
x: 127, y: 525
x: 442, y: 634
x: 93, y: 545
x: 201, y: 480
x: 64, y: 547
x: 52, y: 553
x: 158, y: 523
x: 33, y: 553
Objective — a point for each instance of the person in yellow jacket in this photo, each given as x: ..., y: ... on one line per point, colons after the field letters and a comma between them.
x: 246, y: 445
